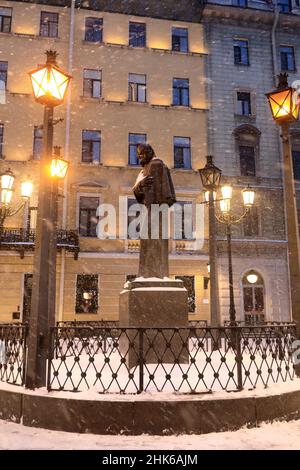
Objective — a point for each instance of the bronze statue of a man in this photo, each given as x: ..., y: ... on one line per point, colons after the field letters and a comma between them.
x: 153, y: 186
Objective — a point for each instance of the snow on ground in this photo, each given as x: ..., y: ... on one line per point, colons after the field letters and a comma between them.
x: 269, y: 436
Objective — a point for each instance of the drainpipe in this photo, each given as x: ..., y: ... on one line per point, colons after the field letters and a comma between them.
x: 67, y: 155
x: 274, y: 48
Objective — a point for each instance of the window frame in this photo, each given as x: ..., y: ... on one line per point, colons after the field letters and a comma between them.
x: 247, y: 48
x: 287, y: 69
x: 134, y: 145
x: 5, y: 17
x: 259, y: 285
x: 80, y: 195
x: 1, y: 140
x: 173, y: 36
x: 180, y: 90
x: 132, y: 38
x: 37, y: 140
x: 135, y: 89
x: 92, y: 81
x: 97, y: 306
x: 88, y: 30
x: 241, y: 103
x: 91, y: 152
x: 49, y: 24
x: 183, y: 147
x: 4, y: 72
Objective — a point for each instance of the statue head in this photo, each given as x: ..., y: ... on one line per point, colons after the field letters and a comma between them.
x: 145, y: 153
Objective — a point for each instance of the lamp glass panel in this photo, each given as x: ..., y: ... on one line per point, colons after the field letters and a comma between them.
x: 7, y: 181
x: 226, y: 192
x: 248, y: 197
x: 59, y: 168
x: 281, y: 104
x: 6, y: 196
x: 225, y: 205
x: 26, y: 189
x: 252, y: 278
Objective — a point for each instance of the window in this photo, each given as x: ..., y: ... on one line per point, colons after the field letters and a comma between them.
x: 247, y: 160
x: 133, y: 141
x: 251, y: 223
x: 180, y: 40
x: 137, y: 88
x: 87, y: 216
x: 3, y: 75
x: 183, y: 220
x: 254, y: 302
x: 5, y: 19
x: 240, y: 3
x: 37, y: 142
x: 32, y: 218
x: 49, y: 24
x: 181, y: 92
x: 87, y: 292
x: 1, y: 140
x: 91, y: 146
x: 137, y: 34
x: 284, y: 6
x: 241, y: 52
x: 243, y: 103
x: 182, y: 152
x: 93, y: 29
x: 92, y: 83
x: 287, y: 59
x: 189, y: 284
x: 296, y: 164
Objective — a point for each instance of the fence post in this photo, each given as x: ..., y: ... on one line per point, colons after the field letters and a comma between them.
x: 239, y: 358
x: 141, y: 359
x: 25, y: 329
x: 51, y: 347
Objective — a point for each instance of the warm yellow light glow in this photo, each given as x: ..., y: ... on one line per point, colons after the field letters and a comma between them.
x: 87, y: 296
x: 7, y: 180
x: 208, y: 268
x: 206, y: 196
x: 49, y: 84
x: 283, y: 105
x: 252, y: 278
x: 248, y: 196
x: 226, y: 192
x: 59, y: 167
x: 225, y: 205
x: 6, y: 196
x: 26, y: 189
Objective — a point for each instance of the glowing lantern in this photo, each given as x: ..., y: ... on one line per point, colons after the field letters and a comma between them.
x: 284, y: 101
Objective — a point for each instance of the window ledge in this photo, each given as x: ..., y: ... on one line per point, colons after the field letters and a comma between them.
x: 139, y: 103
x: 90, y: 164
x: 185, y: 170
x: 56, y: 38
x: 92, y: 99
x: 250, y: 117
x: 133, y: 167
x: 242, y: 65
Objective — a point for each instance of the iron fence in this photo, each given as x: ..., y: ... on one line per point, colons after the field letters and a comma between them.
x: 184, y: 360
x: 13, y: 353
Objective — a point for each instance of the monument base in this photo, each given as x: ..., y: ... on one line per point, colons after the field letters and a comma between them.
x: 154, y: 303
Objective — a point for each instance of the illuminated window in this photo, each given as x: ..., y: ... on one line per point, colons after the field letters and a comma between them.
x: 254, y: 299
x: 49, y: 24
x: 87, y: 293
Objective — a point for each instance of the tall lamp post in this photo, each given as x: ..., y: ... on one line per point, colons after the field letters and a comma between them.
x: 49, y: 85
x: 7, y: 180
x: 284, y: 105
x: 210, y: 177
x: 228, y: 218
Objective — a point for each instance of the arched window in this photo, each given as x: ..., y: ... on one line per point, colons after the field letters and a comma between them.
x: 247, y: 147
x: 253, y: 298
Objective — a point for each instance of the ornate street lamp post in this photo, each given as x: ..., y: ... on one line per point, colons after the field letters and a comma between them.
x: 6, y: 194
x: 49, y: 85
x: 284, y: 104
x: 210, y: 177
x: 228, y: 218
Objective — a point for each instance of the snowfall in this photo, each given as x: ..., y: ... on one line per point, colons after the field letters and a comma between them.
x: 276, y: 436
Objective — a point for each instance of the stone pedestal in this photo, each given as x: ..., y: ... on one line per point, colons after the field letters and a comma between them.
x: 154, y: 303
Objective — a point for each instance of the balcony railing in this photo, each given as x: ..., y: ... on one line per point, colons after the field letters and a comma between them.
x: 21, y: 240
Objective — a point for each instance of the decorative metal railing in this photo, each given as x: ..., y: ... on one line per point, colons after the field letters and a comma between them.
x: 13, y: 353
x: 21, y: 240
x: 184, y: 360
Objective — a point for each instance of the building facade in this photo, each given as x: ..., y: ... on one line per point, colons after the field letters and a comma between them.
x: 189, y: 80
